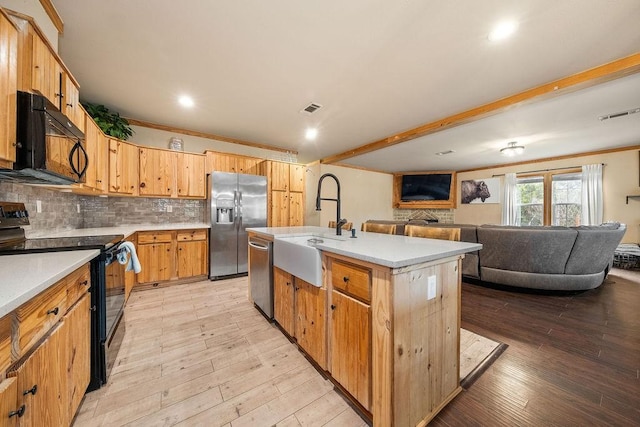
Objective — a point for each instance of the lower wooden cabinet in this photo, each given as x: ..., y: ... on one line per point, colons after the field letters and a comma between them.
x: 172, y: 255
x: 78, y: 352
x: 351, y: 346
x: 155, y: 251
x: 42, y: 383
x: 47, y: 382
x: 283, y: 303
x: 310, y: 306
x: 193, y: 253
x: 8, y: 398
x: 299, y: 308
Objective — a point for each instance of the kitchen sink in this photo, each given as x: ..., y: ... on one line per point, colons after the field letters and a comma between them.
x: 298, y: 256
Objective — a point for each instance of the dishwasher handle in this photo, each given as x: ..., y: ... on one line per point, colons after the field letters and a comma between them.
x: 258, y: 246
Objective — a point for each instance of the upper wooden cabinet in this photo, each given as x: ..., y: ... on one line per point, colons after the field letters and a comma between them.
x: 70, y: 101
x: 191, y: 175
x: 157, y: 172
x: 171, y: 174
x: 8, y: 88
x: 225, y: 162
x: 98, y: 151
x: 45, y: 70
x: 286, y: 193
x: 123, y: 167
x: 41, y: 70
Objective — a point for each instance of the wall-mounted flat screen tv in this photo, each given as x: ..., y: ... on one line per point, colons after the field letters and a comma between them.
x: 435, y: 186
x: 424, y: 190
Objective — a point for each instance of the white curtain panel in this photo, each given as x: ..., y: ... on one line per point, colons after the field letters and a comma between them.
x: 592, y: 204
x: 510, y: 201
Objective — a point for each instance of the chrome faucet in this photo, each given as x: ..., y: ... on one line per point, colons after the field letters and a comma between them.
x: 339, y: 222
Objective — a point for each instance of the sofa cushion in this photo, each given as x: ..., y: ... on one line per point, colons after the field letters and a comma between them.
x: 594, y: 247
x: 535, y: 250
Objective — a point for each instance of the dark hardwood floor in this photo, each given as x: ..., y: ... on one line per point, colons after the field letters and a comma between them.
x: 572, y: 360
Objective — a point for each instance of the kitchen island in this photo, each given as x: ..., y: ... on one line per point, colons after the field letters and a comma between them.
x: 383, y: 322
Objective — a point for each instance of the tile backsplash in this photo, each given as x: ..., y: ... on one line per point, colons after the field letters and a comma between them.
x: 60, y: 210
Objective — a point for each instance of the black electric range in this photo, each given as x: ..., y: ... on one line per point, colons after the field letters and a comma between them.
x: 58, y: 244
x: 107, y: 282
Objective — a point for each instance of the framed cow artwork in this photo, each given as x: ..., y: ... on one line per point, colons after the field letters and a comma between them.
x: 480, y: 191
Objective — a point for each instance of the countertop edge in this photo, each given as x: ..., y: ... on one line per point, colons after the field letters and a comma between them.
x: 80, y: 258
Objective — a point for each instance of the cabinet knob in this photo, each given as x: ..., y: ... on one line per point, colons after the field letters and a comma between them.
x: 53, y: 311
x: 333, y: 307
x: 85, y: 283
x: 69, y: 105
x: 345, y: 279
x: 19, y: 412
x: 142, y: 185
x: 33, y: 390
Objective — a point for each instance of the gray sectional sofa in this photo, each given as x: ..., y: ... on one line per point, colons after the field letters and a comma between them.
x: 547, y: 258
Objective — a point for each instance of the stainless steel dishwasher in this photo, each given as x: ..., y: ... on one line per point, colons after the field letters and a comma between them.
x: 261, y: 274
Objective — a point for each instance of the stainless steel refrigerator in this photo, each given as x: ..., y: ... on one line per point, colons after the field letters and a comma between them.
x: 236, y: 201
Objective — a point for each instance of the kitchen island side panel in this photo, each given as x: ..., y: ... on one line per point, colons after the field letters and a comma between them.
x: 426, y: 335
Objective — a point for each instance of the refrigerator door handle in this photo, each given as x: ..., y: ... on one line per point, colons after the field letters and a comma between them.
x: 239, y: 209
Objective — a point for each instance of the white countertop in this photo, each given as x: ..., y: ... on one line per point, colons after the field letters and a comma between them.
x: 22, y: 277
x: 383, y: 249
x: 126, y: 230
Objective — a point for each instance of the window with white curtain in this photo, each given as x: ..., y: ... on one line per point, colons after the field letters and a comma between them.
x: 550, y: 198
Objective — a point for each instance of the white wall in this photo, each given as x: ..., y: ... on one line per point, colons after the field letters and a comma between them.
x: 621, y: 176
x: 363, y: 195
x: 34, y: 9
x: 195, y: 144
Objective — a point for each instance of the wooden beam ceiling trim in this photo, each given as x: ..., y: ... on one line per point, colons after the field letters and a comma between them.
x: 53, y: 15
x: 150, y: 125
x: 594, y: 76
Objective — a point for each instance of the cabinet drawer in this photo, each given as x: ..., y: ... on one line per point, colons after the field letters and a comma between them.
x: 185, y: 236
x: 154, y: 237
x: 5, y: 343
x: 78, y: 284
x: 351, y: 279
x: 33, y: 319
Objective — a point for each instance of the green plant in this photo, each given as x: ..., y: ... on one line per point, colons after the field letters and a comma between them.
x: 110, y: 123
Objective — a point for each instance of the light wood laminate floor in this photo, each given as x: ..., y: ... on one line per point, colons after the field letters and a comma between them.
x: 201, y: 355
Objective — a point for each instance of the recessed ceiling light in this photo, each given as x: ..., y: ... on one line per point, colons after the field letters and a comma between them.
x: 311, y: 134
x: 186, y: 101
x: 502, y: 31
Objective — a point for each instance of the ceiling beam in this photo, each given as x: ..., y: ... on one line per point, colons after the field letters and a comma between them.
x: 594, y: 76
x: 150, y: 125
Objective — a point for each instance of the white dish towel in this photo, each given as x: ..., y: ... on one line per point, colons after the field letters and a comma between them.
x: 128, y: 256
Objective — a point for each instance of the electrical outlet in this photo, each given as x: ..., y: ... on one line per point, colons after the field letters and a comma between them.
x: 78, y: 207
x: 38, y: 206
x: 431, y: 287
x: 169, y: 208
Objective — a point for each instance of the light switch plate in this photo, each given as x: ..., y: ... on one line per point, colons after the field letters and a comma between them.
x: 431, y: 287
x: 38, y: 206
x: 169, y: 208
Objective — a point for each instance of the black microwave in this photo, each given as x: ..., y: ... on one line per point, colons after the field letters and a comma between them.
x: 50, y: 149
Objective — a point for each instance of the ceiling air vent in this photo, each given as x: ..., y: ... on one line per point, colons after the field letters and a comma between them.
x: 311, y: 108
x: 620, y: 114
